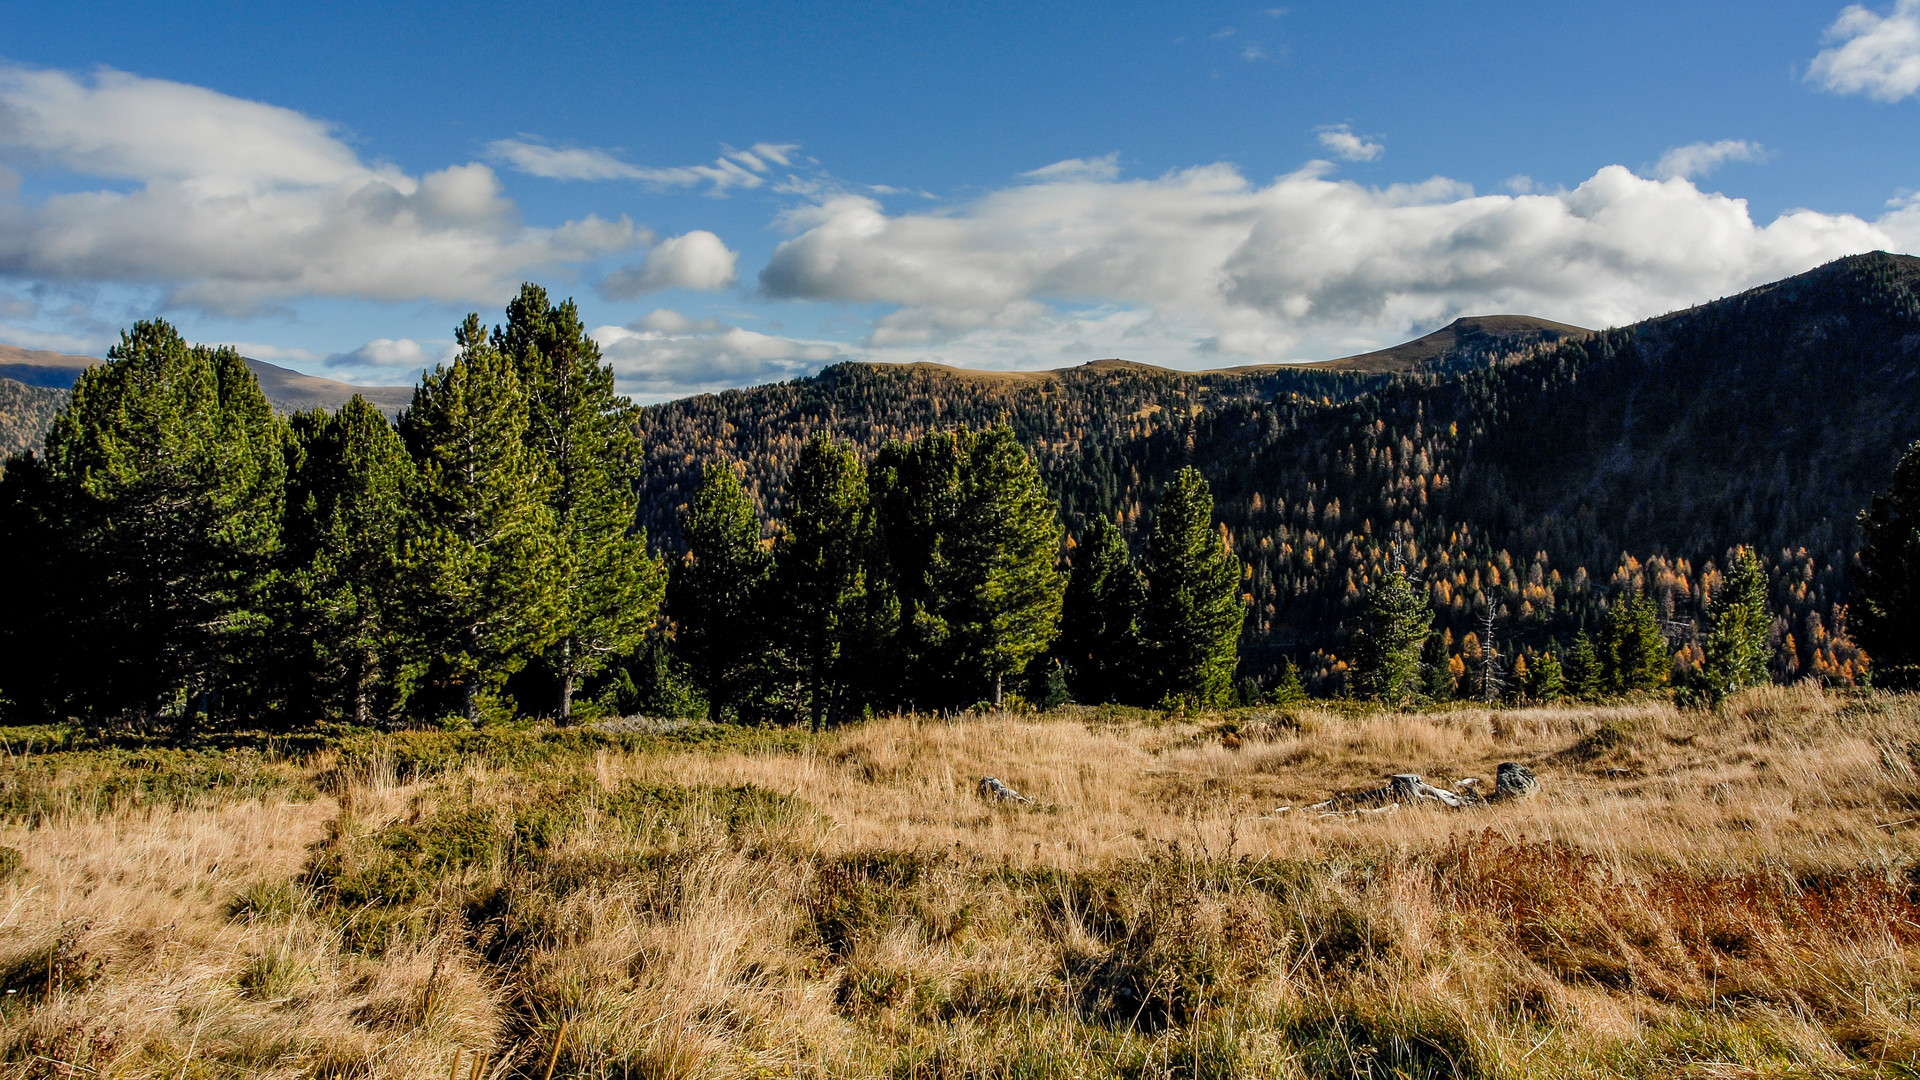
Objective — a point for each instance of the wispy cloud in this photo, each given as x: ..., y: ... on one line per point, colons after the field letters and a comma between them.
x: 1104, y: 167
x: 1872, y: 54
x: 1340, y: 139
x: 732, y: 169
x: 1696, y: 160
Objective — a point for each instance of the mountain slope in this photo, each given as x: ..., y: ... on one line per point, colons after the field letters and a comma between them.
x: 1474, y: 337
x: 26, y: 415
x: 1535, y: 482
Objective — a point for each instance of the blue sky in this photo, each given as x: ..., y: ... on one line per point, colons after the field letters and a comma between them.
x: 745, y: 194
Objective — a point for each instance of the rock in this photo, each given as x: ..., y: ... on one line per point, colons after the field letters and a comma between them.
x: 1514, y: 781
x: 992, y: 788
x: 1401, y: 788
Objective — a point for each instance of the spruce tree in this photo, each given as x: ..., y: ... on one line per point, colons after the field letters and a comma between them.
x: 914, y: 489
x: 1394, y: 623
x: 482, y: 561
x: 1546, y: 679
x: 994, y: 571
x: 1194, y: 610
x: 819, y: 574
x: 1739, y: 626
x: 609, y: 586
x: 1584, y: 673
x: 1100, y: 638
x: 349, y: 494
x: 712, y: 592
x: 173, y: 468
x: 1633, y: 652
x: 1887, y: 614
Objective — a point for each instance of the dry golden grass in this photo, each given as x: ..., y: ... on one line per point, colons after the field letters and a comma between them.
x: 1721, y: 894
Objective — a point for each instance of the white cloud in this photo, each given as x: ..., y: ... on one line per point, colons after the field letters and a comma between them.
x: 1213, y: 266
x: 669, y: 321
x: 236, y: 204
x: 401, y: 353
x: 1104, y: 167
x: 1696, y: 160
x: 697, y: 260
x: 690, y: 357
x: 1340, y: 139
x: 732, y: 169
x: 1872, y: 54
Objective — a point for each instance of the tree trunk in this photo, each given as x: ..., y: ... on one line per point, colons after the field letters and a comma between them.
x: 996, y: 689
x: 470, y: 698
x: 566, y: 680
x: 362, y: 679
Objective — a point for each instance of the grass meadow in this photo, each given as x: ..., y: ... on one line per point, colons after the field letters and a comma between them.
x: 1725, y: 894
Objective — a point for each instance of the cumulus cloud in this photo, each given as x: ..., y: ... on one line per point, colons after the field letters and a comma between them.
x: 697, y: 260
x: 1696, y: 160
x: 390, y: 353
x: 1340, y: 139
x: 1217, y: 266
x: 732, y: 169
x: 235, y: 204
x: 667, y: 355
x: 1872, y: 54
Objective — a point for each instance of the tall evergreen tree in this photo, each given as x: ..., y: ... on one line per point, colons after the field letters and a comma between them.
x: 712, y: 592
x: 609, y: 586
x: 1887, y: 615
x: 914, y: 489
x: 1738, y: 629
x: 40, y: 656
x: 1585, y: 674
x: 1633, y: 652
x: 1394, y: 623
x: 1100, y: 638
x: 174, y: 469
x: 998, y: 591
x: 819, y: 574
x: 348, y: 499
x: 1194, y: 609
x: 482, y: 563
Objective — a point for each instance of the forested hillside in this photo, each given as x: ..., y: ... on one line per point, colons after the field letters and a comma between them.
x: 26, y: 412
x: 1533, y: 484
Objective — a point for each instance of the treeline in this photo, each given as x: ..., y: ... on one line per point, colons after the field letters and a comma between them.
x: 183, y: 556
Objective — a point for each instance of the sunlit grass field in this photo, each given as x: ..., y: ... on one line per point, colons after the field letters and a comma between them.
x: 1731, y: 893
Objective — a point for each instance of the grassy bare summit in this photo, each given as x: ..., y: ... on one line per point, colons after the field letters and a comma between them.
x: 1689, y: 894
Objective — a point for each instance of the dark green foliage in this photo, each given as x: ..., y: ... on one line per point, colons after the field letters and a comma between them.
x: 1583, y: 671
x: 815, y: 605
x: 1739, y: 626
x: 482, y: 565
x: 1633, y: 652
x: 995, y: 588
x: 349, y: 496
x: 1395, y: 624
x: 608, y: 586
x: 163, y: 488
x: 1194, y: 610
x: 1546, y: 681
x: 712, y: 590
x: 1100, y: 638
x: 914, y: 489
x: 1888, y: 612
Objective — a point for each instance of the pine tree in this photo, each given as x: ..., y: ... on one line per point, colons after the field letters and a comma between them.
x: 713, y: 591
x: 482, y: 563
x: 1585, y: 674
x: 819, y: 574
x: 914, y: 489
x: 1394, y: 624
x: 1739, y: 628
x: 1633, y: 652
x: 1887, y: 614
x: 996, y: 587
x: 609, y: 586
x: 173, y: 467
x: 1546, y: 680
x: 1194, y: 609
x: 1100, y: 638
x: 348, y: 499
